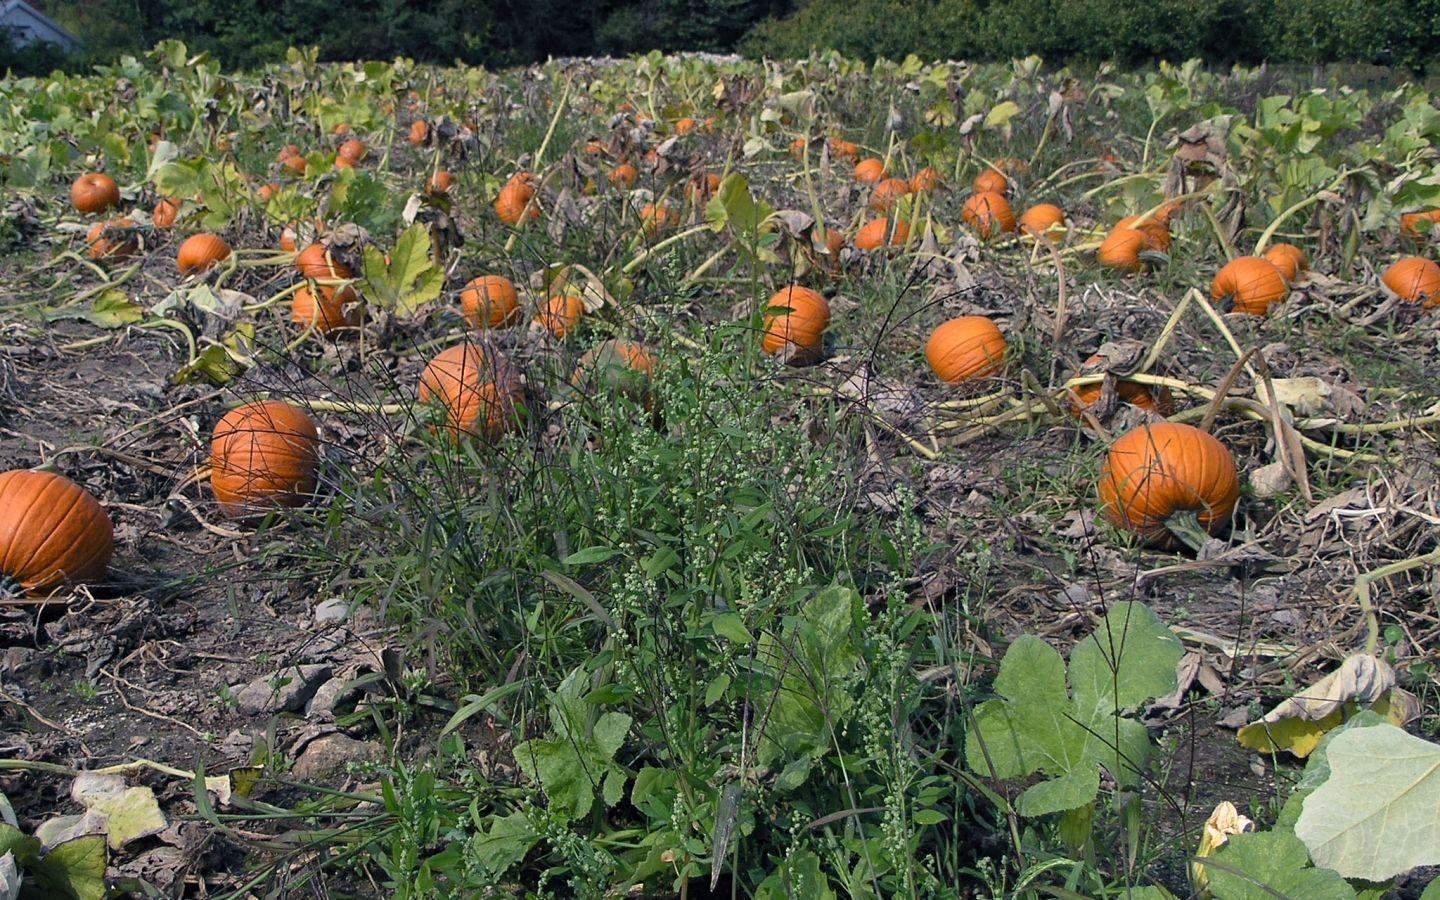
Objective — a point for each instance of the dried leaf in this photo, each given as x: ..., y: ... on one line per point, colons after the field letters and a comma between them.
x: 1298, y: 724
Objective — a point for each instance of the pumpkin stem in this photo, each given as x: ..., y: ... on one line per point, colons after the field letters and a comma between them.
x: 1184, y: 525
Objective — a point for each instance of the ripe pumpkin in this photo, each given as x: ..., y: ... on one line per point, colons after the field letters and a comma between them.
x: 516, y: 200
x: 1158, y: 400
x: 888, y: 193
x: 353, y: 150
x: 1122, y: 247
x: 966, y: 348
x: 441, y: 182
x: 702, y: 187
x: 419, y: 132
x: 286, y: 152
x: 991, y: 180
x: 201, y: 251
x: 318, y: 264
x: 843, y: 149
x: 1251, y: 283
x: 1164, y: 468
x: 869, y: 170
x: 797, y: 148
x: 263, y: 455
x: 53, y: 532
x: 616, y: 366
x: 685, y: 126
x: 490, y: 301
x: 1288, y: 258
x: 1040, y: 219
x: 561, y: 313
x: 167, y: 209
x: 795, y: 321
x: 295, y: 165
x: 112, y: 239
x: 1414, y: 279
x: 94, y: 192
x: 925, y: 180
x: 873, y: 234
x: 989, y: 213
x: 478, y: 388
x: 324, y: 305
x: 623, y: 175
x: 267, y: 190
x: 1416, y: 225
x: 656, y: 217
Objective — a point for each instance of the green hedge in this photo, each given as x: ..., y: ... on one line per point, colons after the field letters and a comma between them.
x: 1127, y: 31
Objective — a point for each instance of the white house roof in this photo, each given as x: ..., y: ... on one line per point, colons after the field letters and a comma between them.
x: 26, y: 23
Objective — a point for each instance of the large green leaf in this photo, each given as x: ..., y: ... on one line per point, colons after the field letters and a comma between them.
x: 1036, y: 725
x: 580, y: 759
x: 411, y: 278
x: 1378, y: 814
x: 1268, y: 865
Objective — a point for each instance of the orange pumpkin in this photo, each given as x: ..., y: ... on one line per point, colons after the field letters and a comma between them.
x: 560, y: 314
x: 878, y: 232
x: 991, y: 180
x: 1416, y: 225
x: 353, y: 150
x: 478, y: 389
x: 1414, y: 279
x: 1251, y: 283
x: 966, y: 348
x: 623, y: 175
x: 888, y: 193
x: 295, y: 165
x: 656, y: 217
x: 870, y: 170
x: 925, y: 180
x: 989, y: 213
x: 843, y: 149
x: 112, y: 239
x: 1158, y: 400
x: 318, y: 264
x: 201, y: 251
x: 167, y: 209
x: 702, y: 187
x: 324, y: 306
x: 1164, y: 468
x: 795, y: 321
x: 490, y: 301
x: 684, y: 126
x: 94, y: 192
x: 1288, y: 258
x: 268, y: 190
x: 797, y: 148
x: 263, y: 455
x: 440, y: 183
x: 53, y: 532
x: 516, y: 200
x: 419, y: 132
x: 1122, y: 247
x: 1040, y: 219
x: 616, y: 366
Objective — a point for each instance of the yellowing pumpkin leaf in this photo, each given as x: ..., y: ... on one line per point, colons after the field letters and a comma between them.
x: 1298, y: 724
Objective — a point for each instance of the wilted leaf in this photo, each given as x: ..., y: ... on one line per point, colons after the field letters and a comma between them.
x: 1377, y: 814
x: 9, y: 877
x: 113, y: 309
x: 123, y: 813
x: 1310, y: 397
x: 213, y: 365
x: 1298, y: 724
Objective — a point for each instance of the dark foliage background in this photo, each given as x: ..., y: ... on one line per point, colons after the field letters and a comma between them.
x: 243, y: 33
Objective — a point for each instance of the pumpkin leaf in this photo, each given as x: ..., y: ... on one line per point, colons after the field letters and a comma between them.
x: 410, y: 280
x: 1375, y: 816
x: 734, y: 207
x: 74, y: 869
x: 213, y: 364
x: 1297, y: 724
x: 1037, y: 726
x: 1001, y: 113
x: 123, y: 814
x: 1270, y: 864
x: 113, y: 309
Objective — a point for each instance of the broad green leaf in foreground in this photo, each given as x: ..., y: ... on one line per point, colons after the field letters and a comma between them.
x: 1036, y: 725
x: 1271, y: 864
x: 580, y: 759
x: 1378, y: 814
x: 410, y: 280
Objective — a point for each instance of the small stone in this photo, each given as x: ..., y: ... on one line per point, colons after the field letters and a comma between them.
x: 286, y: 691
x: 333, y: 610
x: 333, y: 698
x: 330, y: 753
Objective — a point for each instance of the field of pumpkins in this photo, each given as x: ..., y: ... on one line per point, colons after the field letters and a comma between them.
x: 644, y: 477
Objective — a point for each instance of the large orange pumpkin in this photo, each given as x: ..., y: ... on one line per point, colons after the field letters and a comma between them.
x: 490, y: 301
x: 878, y: 232
x: 992, y: 180
x: 795, y: 321
x: 478, y: 388
x: 966, y: 348
x: 94, y: 192
x: 516, y: 200
x: 1122, y: 247
x: 317, y: 263
x: 1288, y: 258
x: 1414, y: 279
x: 1251, y: 283
x: 1040, y: 219
x: 167, y: 209
x: 617, y: 366
x: 561, y: 314
x: 1164, y: 468
x: 53, y: 532
x: 112, y: 239
x: 1416, y: 225
x: 925, y: 180
x: 888, y: 193
x: 263, y: 455
x: 1158, y: 400
x: 869, y: 170
x: 201, y: 251
x: 989, y: 213
x: 324, y: 306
